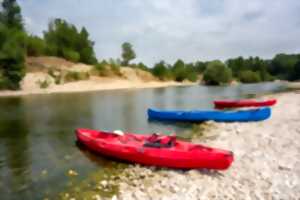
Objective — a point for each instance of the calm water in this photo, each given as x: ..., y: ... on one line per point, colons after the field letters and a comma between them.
x: 37, y: 143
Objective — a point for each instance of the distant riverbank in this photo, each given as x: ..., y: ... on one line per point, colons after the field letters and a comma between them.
x: 94, y: 84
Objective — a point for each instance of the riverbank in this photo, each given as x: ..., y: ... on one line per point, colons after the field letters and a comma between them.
x: 267, y: 158
x: 94, y: 84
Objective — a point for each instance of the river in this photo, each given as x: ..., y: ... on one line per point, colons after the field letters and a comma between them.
x: 37, y: 141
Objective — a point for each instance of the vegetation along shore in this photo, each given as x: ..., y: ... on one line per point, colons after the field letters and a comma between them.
x: 64, y: 40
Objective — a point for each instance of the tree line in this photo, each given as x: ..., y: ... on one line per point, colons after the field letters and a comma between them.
x: 63, y: 39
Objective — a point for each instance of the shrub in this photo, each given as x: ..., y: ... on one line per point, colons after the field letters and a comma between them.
x: 12, y: 56
x: 161, y: 71
x: 249, y: 76
x: 56, y: 74
x: 71, y: 55
x: 35, y: 46
x: 44, y: 84
x: 115, y: 67
x: 217, y: 73
x: 191, y: 76
x: 179, y: 71
x: 76, y: 76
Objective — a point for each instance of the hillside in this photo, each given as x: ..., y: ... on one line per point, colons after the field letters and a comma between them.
x: 57, y: 75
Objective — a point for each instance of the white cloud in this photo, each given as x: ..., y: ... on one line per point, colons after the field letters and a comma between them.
x: 187, y: 29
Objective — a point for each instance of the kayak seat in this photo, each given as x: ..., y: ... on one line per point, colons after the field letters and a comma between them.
x: 157, y: 141
x: 129, y: 138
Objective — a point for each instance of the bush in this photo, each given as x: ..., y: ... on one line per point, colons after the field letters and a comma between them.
x: 71, y: 55
x: 44, y: 84
x: 179, y: 71
x: 100, y: 69
x: 76, y: 76
x: 191, y: 76
x: 161, y: 71
x: 249, y: 76
x: 217, y: 73
x: 12, y: 56
x: 56, y: 74
x: 35, y: 46
x: 115, y: 67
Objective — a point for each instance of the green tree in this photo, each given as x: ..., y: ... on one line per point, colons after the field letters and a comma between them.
x: 12, y: 58
x: 35, y: 46
x: 85, y: 48
x: 64, y: 40
x: 248, y: 76
x: 128, y: 53
x: 200, y: 67
x: 217, y: 73
x: 296, y: 74
x: 10, y: 15
x: 236, y: 65
x: 142, y: 66
x: 161, y: 70
x: 179, y: 71
x: 282, y: 65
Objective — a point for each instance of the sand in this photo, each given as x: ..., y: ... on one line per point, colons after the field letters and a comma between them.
x: 30, y: 84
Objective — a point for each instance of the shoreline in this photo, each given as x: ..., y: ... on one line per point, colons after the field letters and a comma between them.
x: 92, y: 86
x: 265, y: 166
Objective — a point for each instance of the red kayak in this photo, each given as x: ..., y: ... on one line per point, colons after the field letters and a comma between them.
x: 158, y: 150
x: 243, y: 103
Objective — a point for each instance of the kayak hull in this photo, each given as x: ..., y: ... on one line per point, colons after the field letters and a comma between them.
x: 243, y: 103
x: 218, y: 116
x: 182, y: 155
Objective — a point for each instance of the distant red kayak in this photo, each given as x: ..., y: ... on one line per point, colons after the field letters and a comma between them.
x: 163, y: 151
x: 243, y: 103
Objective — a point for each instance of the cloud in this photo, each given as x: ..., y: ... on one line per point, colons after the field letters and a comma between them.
x: 168, y: 29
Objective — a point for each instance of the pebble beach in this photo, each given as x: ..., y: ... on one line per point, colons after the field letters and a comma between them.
x: 266, y: 166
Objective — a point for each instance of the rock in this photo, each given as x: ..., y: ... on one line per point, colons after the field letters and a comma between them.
x: 96, y: 197
x: 72, y: 173
x: 114, y: 198
x: 104, y: 183
x: 44, y: 172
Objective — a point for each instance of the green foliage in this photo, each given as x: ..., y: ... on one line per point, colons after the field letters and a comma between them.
x: 76, y: 76
x: 115, y: 66
x: 35, y: 46
x: 10, y: 15
x: 250, y: 69
x: 200, y: 67
x: 178, y: 70
x: 56, y: 74
x: 142, y: 66
x: 100, y: 68
x: 282, y: 65
x: 162, y: 71
x: 128, y: 53
x: 248, y: 76
x: 191, y: 74
x: 217, y: 73
x: 182, y: 71
x: 71, y: 55
x: 64, y: 40
x: 44, y: 84
x: 296, y: 74
x: 12, y: 70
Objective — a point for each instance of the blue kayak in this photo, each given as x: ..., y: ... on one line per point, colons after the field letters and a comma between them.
x: 219, y: 116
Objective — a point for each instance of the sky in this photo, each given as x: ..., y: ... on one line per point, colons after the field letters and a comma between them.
x: 171, y: 29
